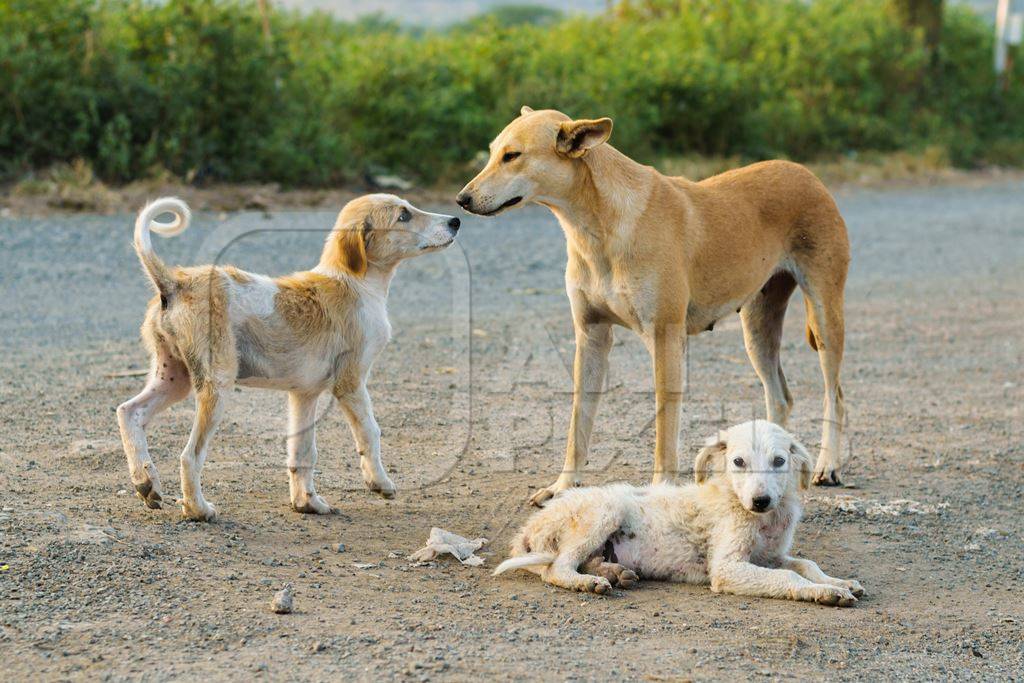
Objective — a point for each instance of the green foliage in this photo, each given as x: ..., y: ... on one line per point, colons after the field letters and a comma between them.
x: 197, y: 88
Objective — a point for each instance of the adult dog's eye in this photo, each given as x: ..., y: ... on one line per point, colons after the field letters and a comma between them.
x: 779, y: 461
x: 738, y: 462
x: 510, y: 156
x: 405, y: 216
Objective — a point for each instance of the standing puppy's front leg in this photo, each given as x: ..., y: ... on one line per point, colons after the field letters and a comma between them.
x: 359, y: 412
x: 593, y: 342
x: 667, y: 349
x: 302, y: 454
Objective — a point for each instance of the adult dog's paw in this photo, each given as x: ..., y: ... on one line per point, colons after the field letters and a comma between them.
x: 548, y: 492
x: 595, y: 584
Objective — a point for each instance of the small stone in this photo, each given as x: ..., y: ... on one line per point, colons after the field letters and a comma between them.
x: 340, y: 548
x: 282, y: 602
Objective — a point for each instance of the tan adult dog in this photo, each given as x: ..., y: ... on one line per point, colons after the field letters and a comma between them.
x: 211, y: 327
x: 667, y: 258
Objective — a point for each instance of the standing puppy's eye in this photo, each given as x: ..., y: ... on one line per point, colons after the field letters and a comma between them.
x: 779, y: 461
x: 510, y: 156
x: 405, y: 216
x: 739, y: 462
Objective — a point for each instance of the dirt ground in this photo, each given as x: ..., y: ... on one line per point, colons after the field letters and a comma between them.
x: 473, y: 398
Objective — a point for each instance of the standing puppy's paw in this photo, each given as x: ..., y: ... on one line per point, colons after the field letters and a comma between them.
x: 199, y: 512
x: 313, y: 505
x: 148, y: 487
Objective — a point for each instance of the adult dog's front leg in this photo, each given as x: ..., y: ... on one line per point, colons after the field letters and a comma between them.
x: 811, y: 571
x: 669, y: 345
x: 593, y: 342
x: 302, y: 454
x: 744, y: 578
x: 359, y: 412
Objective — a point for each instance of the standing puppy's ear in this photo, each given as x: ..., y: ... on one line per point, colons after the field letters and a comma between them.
x: 801, y: 459
x: 525, y: 110
x: 704, y: 465
x: 575, y: 138
x: 346, y: 249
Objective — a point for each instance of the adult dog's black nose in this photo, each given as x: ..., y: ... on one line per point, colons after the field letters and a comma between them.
x: 464, y: 200
x: 761, y: 503
x: 454, y: 224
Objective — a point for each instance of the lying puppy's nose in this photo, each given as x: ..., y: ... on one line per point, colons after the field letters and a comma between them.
x: 464, y: 200
x: 454, y: 224
x: 761, y: 503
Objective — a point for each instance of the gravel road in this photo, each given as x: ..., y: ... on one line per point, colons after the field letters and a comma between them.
x: 473, y: 399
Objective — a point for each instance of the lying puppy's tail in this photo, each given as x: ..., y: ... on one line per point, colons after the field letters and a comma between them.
x: 531, y: 560
x: 158, y: 273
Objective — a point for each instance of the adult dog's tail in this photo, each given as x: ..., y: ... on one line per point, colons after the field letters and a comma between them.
x: 158, y: 273
x: 531, y: 560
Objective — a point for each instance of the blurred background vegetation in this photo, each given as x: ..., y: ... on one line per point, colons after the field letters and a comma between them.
x: 230, y: 90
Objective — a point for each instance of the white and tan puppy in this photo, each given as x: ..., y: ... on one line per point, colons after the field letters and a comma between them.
x: 667, y: 258
x: 732, y: 529
x: 211, y: 327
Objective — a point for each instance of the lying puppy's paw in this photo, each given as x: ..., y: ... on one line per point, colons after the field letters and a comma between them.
x: 595, y: 584
x: 854, y: 587
x: 831, y: 595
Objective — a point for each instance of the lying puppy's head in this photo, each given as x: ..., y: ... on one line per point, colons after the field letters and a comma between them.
x: 381, y: 230
x: 761, y: 461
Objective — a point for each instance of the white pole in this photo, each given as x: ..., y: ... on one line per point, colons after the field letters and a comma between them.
x: 1002, y: 14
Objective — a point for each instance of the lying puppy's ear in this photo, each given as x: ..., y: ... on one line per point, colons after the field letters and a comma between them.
x: 525, y: 110
x: 576, y: 138
x: 708, y: 457
x: 801, y: 459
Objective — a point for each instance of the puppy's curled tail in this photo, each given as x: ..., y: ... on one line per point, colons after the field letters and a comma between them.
x: 158, y: 273
x: 531, y: 560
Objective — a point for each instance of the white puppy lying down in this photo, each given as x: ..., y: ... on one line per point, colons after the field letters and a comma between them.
x: 732, y: 529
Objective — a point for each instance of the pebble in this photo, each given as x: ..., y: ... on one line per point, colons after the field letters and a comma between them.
x: 282, y: 602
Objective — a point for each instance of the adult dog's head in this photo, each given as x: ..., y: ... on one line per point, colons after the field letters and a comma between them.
x: 535, y: 159
x: 381, y: 230
x: 761, y: 462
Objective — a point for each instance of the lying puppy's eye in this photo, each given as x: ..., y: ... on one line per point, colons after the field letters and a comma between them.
x: 739, y: 462
x: 779, y: 461
x: 510, y: 156
x: 405, y: 216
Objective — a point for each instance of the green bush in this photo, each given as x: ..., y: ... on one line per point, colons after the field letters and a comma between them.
x: 197, y: 88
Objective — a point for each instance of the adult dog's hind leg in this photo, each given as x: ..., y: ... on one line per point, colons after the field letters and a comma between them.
x: 825, y: 321
x: 762, y: 319
x: 209, y: 412
x: 168, y: 383
x: 302, y: 454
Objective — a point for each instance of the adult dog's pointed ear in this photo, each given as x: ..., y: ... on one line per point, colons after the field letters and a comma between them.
x: 708, y: 458
x: 576, y: 138
x: 525, y: 110
x: 801, y: 459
